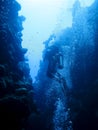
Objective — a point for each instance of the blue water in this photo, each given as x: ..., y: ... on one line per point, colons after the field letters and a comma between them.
x: 64, y: 93
x: 67, y: 96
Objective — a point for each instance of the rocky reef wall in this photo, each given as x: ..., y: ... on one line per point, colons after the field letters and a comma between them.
x: 16, y: 88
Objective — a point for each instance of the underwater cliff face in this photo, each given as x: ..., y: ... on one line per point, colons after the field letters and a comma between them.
x: 72, y: 89
x: 16, y: 89
x: 66, y: 87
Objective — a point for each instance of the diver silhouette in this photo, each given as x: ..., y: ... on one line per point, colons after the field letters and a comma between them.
x: 55, y: 62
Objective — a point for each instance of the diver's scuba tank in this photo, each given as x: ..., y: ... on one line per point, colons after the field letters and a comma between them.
x: 61, y: 61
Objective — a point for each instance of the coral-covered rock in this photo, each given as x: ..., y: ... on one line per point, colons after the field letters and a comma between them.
x: 16, y: 88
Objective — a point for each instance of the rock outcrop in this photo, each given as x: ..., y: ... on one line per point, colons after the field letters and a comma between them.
x: 16, y: 88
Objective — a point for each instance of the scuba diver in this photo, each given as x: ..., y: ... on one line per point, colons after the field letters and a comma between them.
x: 55, y: 59
x: 52, y: 60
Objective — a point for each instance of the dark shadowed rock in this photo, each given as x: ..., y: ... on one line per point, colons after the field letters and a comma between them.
x: 16, y: 88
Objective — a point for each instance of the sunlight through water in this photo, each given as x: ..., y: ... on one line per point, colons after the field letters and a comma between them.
x: 43, y: 18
